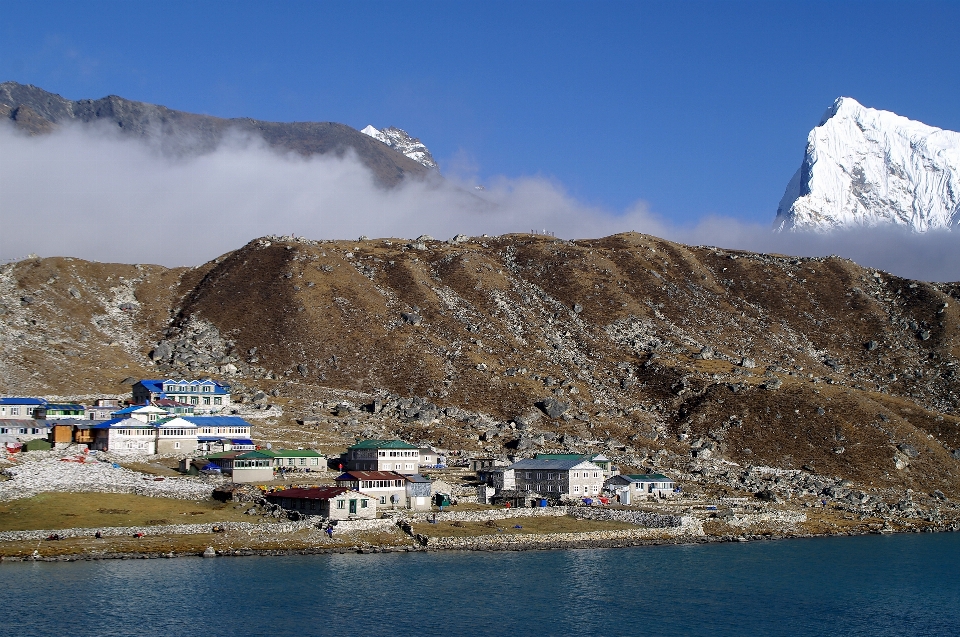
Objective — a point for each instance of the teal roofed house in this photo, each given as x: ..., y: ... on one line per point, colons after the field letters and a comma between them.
x: 382, y: 455
x: 298, y: 459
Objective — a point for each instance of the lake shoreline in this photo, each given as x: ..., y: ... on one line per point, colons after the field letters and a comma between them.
x: 479, y: 544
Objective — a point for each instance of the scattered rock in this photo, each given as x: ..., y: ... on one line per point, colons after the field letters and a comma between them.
x: 412, y: 318
x: 553, y: 407
x: 748, y: 363
x: 871, y: 345
x: 773, y: 383
x: 209, y: 552
x: 908, y: 450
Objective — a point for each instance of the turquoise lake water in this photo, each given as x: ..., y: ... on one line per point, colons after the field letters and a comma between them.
x: 874, y: 585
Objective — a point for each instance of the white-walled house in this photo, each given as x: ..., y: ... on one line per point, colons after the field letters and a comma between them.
x: 144, y: 413
x: 631, y: 488
x: 125, y: 436
x: 176, y: 435
x: 20, y: 408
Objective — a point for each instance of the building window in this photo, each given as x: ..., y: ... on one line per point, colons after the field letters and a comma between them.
x: 176, y: 445
x: 341, y: 504
x: 383, y: 499
x: 363, y: 504
x: 217, y: 400
x: 14, y: 411
x: 206, y: 400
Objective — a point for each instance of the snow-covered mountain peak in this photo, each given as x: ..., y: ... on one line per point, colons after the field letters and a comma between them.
x: 399, y: 140
x: 867, y: 167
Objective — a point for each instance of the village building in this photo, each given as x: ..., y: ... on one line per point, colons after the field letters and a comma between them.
x: 55, y: 411
x: 23, y: 430
x: 637, y: 487
x: 102, y: 409
x: 558, y: 479
x: 206, y: 396
x: 298, y: 459
x: 123, y: 436
x: 145, y: 413
x: 222, y: 433
x: 382, y: 455
x: 20, y: 408
x: 432, y: 459
x: 333, y: 503
x: 597, y: 458
x: 62, y: 431
x: 175, y: 408
x: 252, y: 466
x: 388, y: 487
x: 176, y: 436
x: 419, y: 489
x: 498, y: 477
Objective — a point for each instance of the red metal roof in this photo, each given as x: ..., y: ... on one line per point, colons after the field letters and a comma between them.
x: 316, y: 493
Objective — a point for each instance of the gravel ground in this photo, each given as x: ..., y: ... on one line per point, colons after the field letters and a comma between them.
x: 38, y: 472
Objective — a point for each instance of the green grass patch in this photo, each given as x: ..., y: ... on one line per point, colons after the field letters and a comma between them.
x: 92, y: 510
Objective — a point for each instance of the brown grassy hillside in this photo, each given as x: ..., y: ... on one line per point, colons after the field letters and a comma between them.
x: 660, y: 349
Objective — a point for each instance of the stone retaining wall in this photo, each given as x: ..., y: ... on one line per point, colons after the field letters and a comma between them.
x: 486, y: 514
x: 160, y: 529
x: 548, y: 540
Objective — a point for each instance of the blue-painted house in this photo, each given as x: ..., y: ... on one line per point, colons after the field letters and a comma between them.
x: 206, y: 396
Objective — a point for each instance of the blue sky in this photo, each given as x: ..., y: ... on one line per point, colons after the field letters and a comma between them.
x: 696, y: 108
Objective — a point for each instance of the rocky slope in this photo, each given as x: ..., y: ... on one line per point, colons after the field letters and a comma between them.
x: 37, y: 112
x: 399, y: 140
x: 757, y: 372
x: 865, y: 167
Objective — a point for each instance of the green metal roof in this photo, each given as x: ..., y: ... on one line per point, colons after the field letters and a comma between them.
x: 252, y: 455
x: 295, y: 453
x: 383, y: 444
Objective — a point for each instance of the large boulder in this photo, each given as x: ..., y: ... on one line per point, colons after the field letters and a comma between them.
x: 553, y: 407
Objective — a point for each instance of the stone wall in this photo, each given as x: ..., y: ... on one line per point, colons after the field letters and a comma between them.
x: 558, y: 540
x: 640, y: 518
x: 162, y: 529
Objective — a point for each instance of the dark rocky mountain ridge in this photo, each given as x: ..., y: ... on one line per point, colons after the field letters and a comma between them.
x: 37, y: 112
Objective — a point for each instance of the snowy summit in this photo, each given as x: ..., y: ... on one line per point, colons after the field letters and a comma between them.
x: 398, y: 139
x: 865, y: 167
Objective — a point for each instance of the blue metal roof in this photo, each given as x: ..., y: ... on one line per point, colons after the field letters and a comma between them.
x: 71, y: 407
x: 217, y: 421
x: 22, y: 401
x: 123, y: 422
x: 130, y: 409
x: 156, y: 385
x: 242, y: 441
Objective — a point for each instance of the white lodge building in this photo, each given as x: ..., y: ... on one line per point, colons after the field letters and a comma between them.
x: 143, y: 433
x: 126, y: 436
